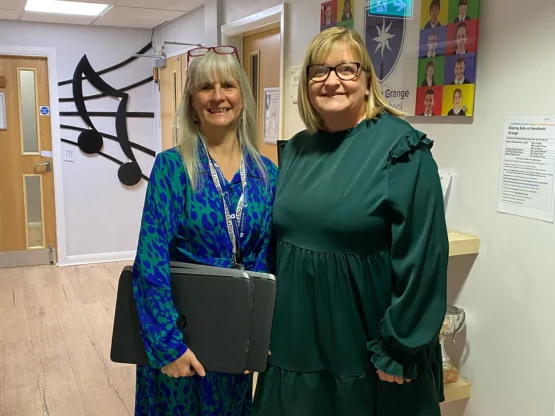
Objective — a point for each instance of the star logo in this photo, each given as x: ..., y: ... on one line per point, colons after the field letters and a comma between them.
x: 384, y: 41
x: 383, y: 37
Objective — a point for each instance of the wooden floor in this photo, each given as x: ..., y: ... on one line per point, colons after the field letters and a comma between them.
x: 55, y: 333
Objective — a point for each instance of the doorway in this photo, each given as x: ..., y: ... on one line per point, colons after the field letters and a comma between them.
x: 261, y: 39
x: 261, y: 60
x: 27, y: 207
x: 172, y: 82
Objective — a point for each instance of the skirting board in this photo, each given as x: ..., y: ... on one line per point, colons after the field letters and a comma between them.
x: 98, y: 258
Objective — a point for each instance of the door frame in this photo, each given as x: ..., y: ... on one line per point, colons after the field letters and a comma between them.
x: 158, y: 97
x: 50, y: 55
x: 233, y: 33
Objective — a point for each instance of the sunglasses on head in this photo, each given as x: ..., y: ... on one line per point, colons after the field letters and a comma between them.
x: 221, y: 50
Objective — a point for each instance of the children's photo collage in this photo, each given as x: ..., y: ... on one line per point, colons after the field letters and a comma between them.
x: 337, y: 13
x: 447, y: 57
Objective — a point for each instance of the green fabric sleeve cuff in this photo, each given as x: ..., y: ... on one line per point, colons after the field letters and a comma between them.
x: 383, y: 361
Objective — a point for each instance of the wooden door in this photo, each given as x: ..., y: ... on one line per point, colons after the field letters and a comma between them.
x: 171, y: 89
x: 27, y: 211
x: 261, y: 57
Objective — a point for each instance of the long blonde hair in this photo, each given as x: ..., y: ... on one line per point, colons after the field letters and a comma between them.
x: 318, y: 50
x: 202, y: 70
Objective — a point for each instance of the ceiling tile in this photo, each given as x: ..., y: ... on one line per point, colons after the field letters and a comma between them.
x: 181, y: 5
x: 9, y: 14
x: 145, y: 14
x: 110, y: 2
x: 57, y: 18
x: 136, y: 13
x: 132, y: 23
x: 11, y: 4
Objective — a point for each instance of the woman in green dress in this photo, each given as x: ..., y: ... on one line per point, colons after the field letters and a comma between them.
x: 362, y: 251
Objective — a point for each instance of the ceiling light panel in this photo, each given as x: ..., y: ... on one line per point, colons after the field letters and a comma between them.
x: 57, y: 18
x: 66, y: 7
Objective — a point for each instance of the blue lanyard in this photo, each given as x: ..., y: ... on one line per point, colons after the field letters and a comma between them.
x: 235, y: 222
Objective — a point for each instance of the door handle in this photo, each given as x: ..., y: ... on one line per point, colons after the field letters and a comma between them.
x: 47, y: 164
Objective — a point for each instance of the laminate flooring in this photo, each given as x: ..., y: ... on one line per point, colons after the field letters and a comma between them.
x: 55, y: 334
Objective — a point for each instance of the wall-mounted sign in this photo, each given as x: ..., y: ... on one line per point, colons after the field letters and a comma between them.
x: 337, y: 13
x: 448, y: 46
x: 402, y: 9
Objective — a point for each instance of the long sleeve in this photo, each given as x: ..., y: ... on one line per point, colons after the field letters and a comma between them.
x: 163, y: 207
x: 419, y: 255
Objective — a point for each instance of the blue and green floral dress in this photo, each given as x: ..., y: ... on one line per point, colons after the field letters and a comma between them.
x: 182, y: 225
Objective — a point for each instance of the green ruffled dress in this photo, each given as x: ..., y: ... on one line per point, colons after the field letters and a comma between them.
x: 361, y: 268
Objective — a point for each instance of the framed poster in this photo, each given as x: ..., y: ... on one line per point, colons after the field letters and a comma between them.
x: 271, y: 115
x: 337, y: 13
x: 440, y: 78
x: 447, y: 57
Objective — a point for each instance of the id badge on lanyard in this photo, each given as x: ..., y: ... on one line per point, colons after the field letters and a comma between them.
x: 236, y: 221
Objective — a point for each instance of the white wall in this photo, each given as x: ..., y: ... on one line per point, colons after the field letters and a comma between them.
x: 189, y: 29
x: 507, y: 291
x: 102, y: 217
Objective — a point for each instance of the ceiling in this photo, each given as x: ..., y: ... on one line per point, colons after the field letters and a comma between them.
x: 145, y: 14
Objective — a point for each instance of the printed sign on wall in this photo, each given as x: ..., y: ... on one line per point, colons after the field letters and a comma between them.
x: 424, y: 53
x: 337, y: 13
x: 447, y: 57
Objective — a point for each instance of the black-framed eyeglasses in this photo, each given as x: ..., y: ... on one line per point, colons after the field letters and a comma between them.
x: 346, y: 71
x: 221, y: 50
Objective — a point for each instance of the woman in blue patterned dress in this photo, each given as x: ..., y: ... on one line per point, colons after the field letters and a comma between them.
x: 215, y: 178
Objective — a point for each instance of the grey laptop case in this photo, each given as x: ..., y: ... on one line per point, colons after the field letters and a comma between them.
x: 262, y: 313
x: 214, y: 308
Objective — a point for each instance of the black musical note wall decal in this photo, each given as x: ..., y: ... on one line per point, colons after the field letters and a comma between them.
x: 91, y: 141
x: 119, y: 65
x: 110, y: 137
x: 102, y: 95
x: 113, y: 159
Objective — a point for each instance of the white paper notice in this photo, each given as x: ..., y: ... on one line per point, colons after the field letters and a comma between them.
x: 295, y: 77
x: 527, y: 167
x: 445, y: 177
x: 271, y: 115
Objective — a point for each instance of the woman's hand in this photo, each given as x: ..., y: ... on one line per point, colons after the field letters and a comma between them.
x: 185, y: 366
x: 391, y: 379
x: 249, y: 371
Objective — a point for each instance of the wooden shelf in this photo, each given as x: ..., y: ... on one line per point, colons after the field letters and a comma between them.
x: 461, y: 244
x: 457, y: 391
